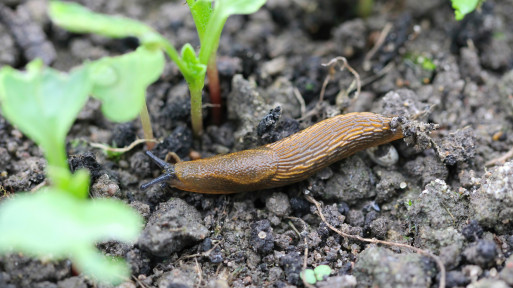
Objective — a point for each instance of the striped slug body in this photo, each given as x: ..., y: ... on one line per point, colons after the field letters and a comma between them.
x: 287, y: 161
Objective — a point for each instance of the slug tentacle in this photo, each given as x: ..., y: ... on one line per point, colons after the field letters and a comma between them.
x: 167, y: 168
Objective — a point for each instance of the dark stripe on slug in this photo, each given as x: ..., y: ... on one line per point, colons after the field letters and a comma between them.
x: 326, y: 142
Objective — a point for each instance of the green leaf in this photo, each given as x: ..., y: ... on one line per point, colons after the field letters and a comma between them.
x: 76, y: 18
x: 321, y: 272
x: 195, y: 70
x: 55, y: 225
x: 201, y: 11
x: 106, y: 269
x: 463, y: 7
x: 238, y: 7
x: 121, y: 82
x: 308, y: 276
x: 76, y: 184
x: 43, y: 103
x: 222, y: 10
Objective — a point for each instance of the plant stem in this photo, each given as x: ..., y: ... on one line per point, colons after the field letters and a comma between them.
x: 214, y: 88
x: 146, y: 125
x: 211, y: 40
x: 196, y: 113
x: 365, y: 8
x: 175, y: 57
x: 56, y: 154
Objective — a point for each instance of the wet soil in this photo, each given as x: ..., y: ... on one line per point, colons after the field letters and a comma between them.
x: 414, y: 60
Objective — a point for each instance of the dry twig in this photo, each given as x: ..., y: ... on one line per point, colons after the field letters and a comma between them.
x: 382, y: 36
x: 330, y: 76
x: 376, y: 241
x: 500, y: 160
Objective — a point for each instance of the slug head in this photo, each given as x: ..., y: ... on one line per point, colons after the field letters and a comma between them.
x: 168, y: 171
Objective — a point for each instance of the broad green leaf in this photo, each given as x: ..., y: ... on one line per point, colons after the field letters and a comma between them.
x: 201, y: 11
x: 322, y: 271
x: 76, y: 184
x: 121, y: 82
x: 43, y: 103
x: 106, y: 269
x: 463, y: 7
x: 238, y: 7
x: 76, y: 18
x: 55, y: 225
x: 308, y: 276
x: 222, y: 10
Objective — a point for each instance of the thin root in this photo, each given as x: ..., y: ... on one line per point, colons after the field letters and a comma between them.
x: 329, y: 77
x: 301, y: 101
x: 331, y: 64
x: 379, y: 43
x: 124, y: 149
x: 299, y: 234
x: 376, y: 241
x: 500, y: 160
x: 38, y: 186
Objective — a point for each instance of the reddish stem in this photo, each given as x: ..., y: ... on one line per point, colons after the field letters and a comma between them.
x: 214, y: 89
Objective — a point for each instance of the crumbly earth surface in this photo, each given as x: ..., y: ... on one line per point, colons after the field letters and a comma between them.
x: 436, y: 191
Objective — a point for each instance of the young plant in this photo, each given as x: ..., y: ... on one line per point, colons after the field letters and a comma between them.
x: 318, y: 274
x: 193, y: 66
x: 464, y: 7
x: 59, y: 222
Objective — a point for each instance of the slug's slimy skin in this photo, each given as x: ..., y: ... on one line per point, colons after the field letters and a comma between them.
x: 287, y: 161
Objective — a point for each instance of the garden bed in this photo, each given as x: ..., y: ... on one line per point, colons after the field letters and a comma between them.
x: 453, y: 199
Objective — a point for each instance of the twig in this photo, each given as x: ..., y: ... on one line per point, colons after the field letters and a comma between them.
x: 304, y: 238
x: 139, y: 282
x: 378, y: 74
x: 124, y: 149
x: 345, y: 65
x: 306, y: 246
x: 204, y: 254
x: 210, y: 105
x: 376, y: 241
x: 301, y: 101
x: 500, y: 160
x: 329, y: 77
x: 382, y: 37
x: 198, y: 269
x: 38, y: 186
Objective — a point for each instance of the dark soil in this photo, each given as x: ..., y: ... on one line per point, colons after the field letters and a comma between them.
x: 442, y: 198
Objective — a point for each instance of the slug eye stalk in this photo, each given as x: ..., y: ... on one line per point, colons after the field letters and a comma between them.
x: 167, y: 169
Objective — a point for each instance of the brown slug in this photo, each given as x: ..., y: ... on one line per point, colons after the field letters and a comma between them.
x: 287, y: 161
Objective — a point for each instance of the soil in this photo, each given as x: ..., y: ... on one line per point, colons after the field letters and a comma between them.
x: 438, y: 196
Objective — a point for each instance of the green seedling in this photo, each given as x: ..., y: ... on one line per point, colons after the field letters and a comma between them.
x: 424, y: 62
x: 40, y: 104
x: 464, y: 7
x: 364, y: 8
x: 60, y: 222
x: 319, y: 273
x: 55, y: 225
x: 121, y: 82
x: 209, y: 22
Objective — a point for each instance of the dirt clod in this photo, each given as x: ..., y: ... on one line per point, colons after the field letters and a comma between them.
x: 262, y: 238
x: 86, y: 161
x: 481, y: 253
x: 172, y: 227
x: 376, y: 266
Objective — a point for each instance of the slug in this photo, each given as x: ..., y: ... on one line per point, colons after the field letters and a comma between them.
x: 287, y: 161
